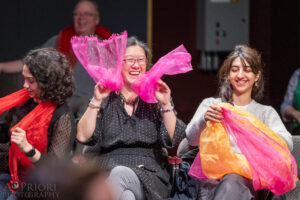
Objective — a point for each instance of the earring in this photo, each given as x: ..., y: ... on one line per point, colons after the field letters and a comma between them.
x: 256, y: 84
x: 226, y: 81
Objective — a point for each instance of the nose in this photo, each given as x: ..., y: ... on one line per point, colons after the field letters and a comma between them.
x: 135, y: 64
x: 25, y: 85
x: 241, y: 73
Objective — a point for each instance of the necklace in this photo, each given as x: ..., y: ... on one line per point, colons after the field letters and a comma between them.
x: 128, y: 102
x: 132, y: 102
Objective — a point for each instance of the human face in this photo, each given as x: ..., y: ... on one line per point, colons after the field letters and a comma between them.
x: 242, y: 77
x: 31, y: 84
x: 134, y: 63
x: 85, y: 18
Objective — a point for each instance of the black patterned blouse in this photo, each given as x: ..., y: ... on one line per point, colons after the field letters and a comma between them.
x: 137, y: 142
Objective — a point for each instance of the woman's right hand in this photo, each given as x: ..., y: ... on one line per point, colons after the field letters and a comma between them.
x: 100, y: 93
x: 213, y: 113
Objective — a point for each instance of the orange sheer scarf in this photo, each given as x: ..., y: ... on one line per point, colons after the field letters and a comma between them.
x: 216, y: 151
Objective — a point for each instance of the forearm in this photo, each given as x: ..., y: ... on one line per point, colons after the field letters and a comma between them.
x: 291, y: 113
x: 36, y: 157
x: 11, y: 67
x: 196, y: 126
x: 169, y: 119
x: 87, y: 123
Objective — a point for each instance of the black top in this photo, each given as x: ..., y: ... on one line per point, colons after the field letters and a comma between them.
x: 137, y: 142
x: 61, y: 131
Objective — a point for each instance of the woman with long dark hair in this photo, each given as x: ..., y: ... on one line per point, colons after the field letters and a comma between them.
x: 241, y: 85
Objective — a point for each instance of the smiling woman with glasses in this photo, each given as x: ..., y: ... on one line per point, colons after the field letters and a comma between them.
x: 133, y: 133
x: 142, y: 61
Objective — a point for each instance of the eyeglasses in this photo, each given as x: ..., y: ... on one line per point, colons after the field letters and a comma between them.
x: 85, y: 14
x: 131, y: 61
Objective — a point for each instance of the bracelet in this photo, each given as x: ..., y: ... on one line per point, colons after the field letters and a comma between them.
x: 166, y: 110
x: 93, y: 106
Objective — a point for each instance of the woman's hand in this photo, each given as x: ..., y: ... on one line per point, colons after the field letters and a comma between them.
x: 100, y: 93
x: 163, y: 94
x: 18, y: 136
x: 296, y: 115
x: 213, y: 113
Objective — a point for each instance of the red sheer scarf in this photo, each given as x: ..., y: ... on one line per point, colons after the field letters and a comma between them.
x: 35, y: 124
x: 63, y: 43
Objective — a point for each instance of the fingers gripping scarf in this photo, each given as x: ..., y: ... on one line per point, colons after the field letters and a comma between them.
x: 175, y: 62
x: 35, y: 124
x: 265, y: 157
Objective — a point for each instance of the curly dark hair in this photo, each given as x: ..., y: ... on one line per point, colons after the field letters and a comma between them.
x: 52, y: 72
x: 253, y: 58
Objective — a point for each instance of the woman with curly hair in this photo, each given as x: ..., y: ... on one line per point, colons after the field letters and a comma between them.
x: 39, y: 120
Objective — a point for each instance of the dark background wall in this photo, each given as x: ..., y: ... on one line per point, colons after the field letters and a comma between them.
x: 274, y: 31
x: 28, y: 24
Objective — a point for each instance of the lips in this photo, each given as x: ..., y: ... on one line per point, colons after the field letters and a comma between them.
x: 81, y: 23
x: 134, y: 73
x: 241, y: 83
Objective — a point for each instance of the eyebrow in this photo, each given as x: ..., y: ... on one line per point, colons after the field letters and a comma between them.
x: 27, y: 76
x: 242, y: 66
x: 135, y: 56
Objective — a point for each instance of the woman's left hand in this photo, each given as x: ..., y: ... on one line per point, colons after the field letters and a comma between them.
x: 162, y: 93
x: 18, y: 136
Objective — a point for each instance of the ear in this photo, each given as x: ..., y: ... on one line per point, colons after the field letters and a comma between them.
x: 98, y: 20
x: 228, y: 79
x: 257, y: 75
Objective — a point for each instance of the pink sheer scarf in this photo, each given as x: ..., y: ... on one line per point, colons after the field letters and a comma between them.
x: 102, y: 60
x: 272, y: 165
x: 175, y: 62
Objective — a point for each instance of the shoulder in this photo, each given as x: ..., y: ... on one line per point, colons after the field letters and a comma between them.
x: 103, y: 32
x: 261, y: 107
x: 211, y: 101
x: 60, y: 110
x: 295, y: 75
x: 51, y: 42
x: 264, y: 112
x: 297, y: 71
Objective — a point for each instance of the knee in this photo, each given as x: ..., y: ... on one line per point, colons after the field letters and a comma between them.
x: 122, y: 175
x: 232, y: 189
x: 227, y: 184
x: 119, y: 171
x: 127, y: 195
